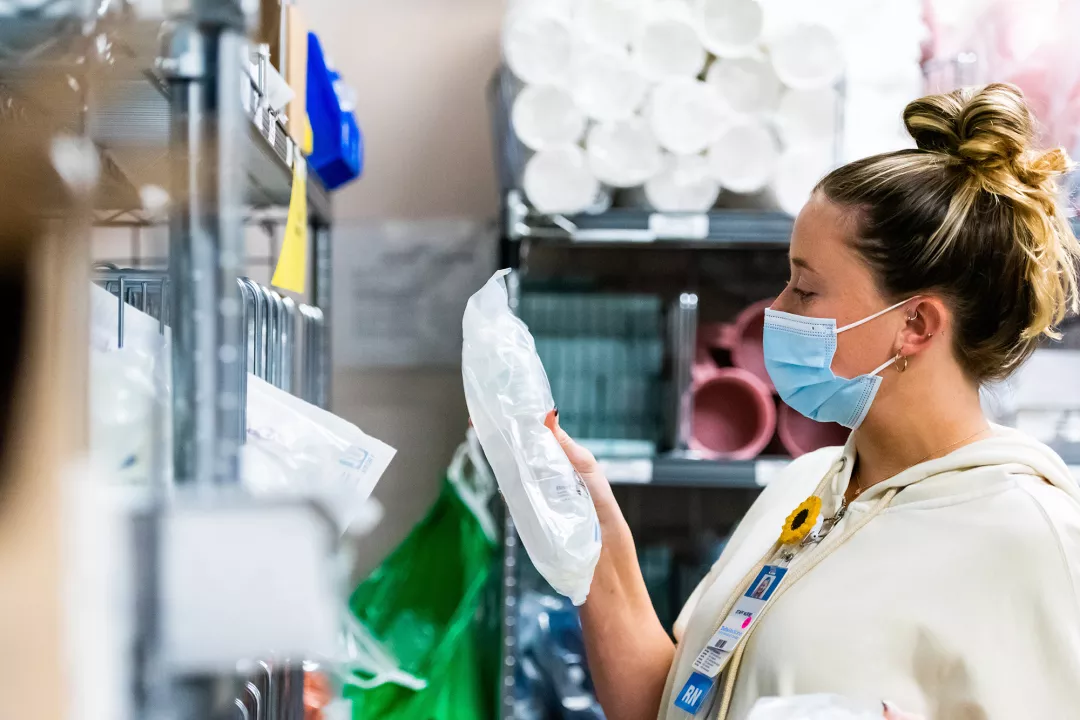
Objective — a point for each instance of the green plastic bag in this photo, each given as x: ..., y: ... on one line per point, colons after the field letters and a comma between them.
x: 423, y: 604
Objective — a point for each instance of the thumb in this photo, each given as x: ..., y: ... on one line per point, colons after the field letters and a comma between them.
x: 580, y: 457
x: 587, y: 468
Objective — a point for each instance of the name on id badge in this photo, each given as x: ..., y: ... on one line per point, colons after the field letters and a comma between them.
x: 714, y: 656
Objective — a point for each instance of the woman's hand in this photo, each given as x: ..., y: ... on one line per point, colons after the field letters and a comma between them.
x: 607, y: 508
x: 629, y: 651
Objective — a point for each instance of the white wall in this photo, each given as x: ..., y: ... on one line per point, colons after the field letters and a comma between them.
x: 420, y: 69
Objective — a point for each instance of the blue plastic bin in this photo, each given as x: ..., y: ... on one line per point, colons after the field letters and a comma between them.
x: 338, y: 154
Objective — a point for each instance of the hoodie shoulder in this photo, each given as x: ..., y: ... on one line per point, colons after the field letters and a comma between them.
x: 1061, y: 513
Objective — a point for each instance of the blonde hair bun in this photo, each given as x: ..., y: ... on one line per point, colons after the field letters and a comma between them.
x: 990, y: 125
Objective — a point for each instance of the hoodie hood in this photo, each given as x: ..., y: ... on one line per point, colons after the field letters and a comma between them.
x: 1005, y: 453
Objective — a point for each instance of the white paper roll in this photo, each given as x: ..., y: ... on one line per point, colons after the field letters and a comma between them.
x: 683, y: 185
x: 558, y: 180
x: 806, y: 116
x: 743, y: 159
x: 623, y: 153
x: 781, y: 15
x: 538, y: 45
x: 611, y: 24
x: 668, y: 44
x: 807, y: 56
x: 546, y: 115
x: 748, y: 85
x: 730, y: 28
x: 605, y: 84
x: 686, y: 115
x: 797, y: 173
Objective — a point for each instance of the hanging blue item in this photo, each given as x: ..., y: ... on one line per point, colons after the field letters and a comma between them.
x: 338, y: 154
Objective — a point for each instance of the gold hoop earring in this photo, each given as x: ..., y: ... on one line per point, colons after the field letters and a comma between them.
x: 914, y: 316
x: 896, y: 362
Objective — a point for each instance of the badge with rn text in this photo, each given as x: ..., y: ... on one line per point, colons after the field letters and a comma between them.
x: 714, y: 656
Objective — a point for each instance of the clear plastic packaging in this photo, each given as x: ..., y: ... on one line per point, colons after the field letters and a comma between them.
x: 366, y: 663
x: 123, y: 399
x: 129, y: 390
x: 509, y: 399
x: 294, y: 447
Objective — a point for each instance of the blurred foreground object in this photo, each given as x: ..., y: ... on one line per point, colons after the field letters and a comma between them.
x: 43, y: 275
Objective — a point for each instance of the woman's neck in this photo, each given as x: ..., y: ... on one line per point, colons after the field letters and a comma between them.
x: 914, y: 427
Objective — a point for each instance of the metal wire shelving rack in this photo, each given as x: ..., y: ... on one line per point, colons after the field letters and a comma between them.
x: 165, y: 101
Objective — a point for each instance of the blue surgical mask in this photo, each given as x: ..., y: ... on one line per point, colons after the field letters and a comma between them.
x: 798, y: 355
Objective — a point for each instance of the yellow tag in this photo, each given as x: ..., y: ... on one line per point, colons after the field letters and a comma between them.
x: 309, y: 137
x: 291, y: 271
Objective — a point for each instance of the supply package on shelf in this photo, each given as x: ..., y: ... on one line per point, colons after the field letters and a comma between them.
x: 294, y: 448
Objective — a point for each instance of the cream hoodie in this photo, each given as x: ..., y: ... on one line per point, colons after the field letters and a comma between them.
x: 958, y: 601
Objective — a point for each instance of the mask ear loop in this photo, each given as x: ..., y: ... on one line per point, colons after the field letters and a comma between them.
x: 876, y: 315
x: 889, y: 362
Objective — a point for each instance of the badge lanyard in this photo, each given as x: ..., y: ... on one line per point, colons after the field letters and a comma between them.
x: 715, y: 655
x: 711, y: 661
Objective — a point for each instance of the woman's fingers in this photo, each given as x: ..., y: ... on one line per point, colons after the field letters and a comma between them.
x: 585, y: 464
x: 582, y: 460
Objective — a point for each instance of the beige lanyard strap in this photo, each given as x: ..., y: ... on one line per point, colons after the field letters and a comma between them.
x: 796, y: 574
x: 835, y: 468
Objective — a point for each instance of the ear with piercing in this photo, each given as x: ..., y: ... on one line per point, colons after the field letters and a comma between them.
x: 915, y: 316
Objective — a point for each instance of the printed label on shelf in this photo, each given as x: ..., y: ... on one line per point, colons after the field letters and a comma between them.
x: 679, y: 227
x: 615, y: 236
x: 765, y: 471
x: 636, y: 472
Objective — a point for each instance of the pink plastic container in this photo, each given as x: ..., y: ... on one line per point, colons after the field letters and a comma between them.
x: 742, y: 338
x: 800, y: 435
x: 733, y: 413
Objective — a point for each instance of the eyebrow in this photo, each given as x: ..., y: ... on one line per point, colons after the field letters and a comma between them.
x: 799, y: 262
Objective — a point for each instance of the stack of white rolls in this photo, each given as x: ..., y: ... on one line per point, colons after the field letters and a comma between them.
x: 684, y: 99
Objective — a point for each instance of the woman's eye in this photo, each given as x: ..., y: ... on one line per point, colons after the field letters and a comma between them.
x: 802, y: 294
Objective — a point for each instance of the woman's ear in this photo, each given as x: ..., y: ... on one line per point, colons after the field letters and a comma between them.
x: 927, y: 319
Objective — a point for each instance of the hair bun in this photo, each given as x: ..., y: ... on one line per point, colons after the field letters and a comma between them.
x: 987, y: 127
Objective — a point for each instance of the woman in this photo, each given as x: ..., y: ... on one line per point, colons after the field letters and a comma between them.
x: 935, y: 560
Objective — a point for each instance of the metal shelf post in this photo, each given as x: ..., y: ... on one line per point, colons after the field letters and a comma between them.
x: 206, y: 250
x: 322, y: 297
x: 205, y: 239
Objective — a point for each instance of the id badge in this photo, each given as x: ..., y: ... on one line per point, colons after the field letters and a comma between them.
x: 714, y: 656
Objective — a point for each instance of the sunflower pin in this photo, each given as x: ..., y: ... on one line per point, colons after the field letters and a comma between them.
x: 801, y: 521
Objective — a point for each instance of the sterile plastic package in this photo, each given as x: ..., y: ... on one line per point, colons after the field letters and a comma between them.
x: 129, y: 390
x: 123, y: 398
x: 811, y: 707
x: 509, y: 397
x: 296, y: 448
